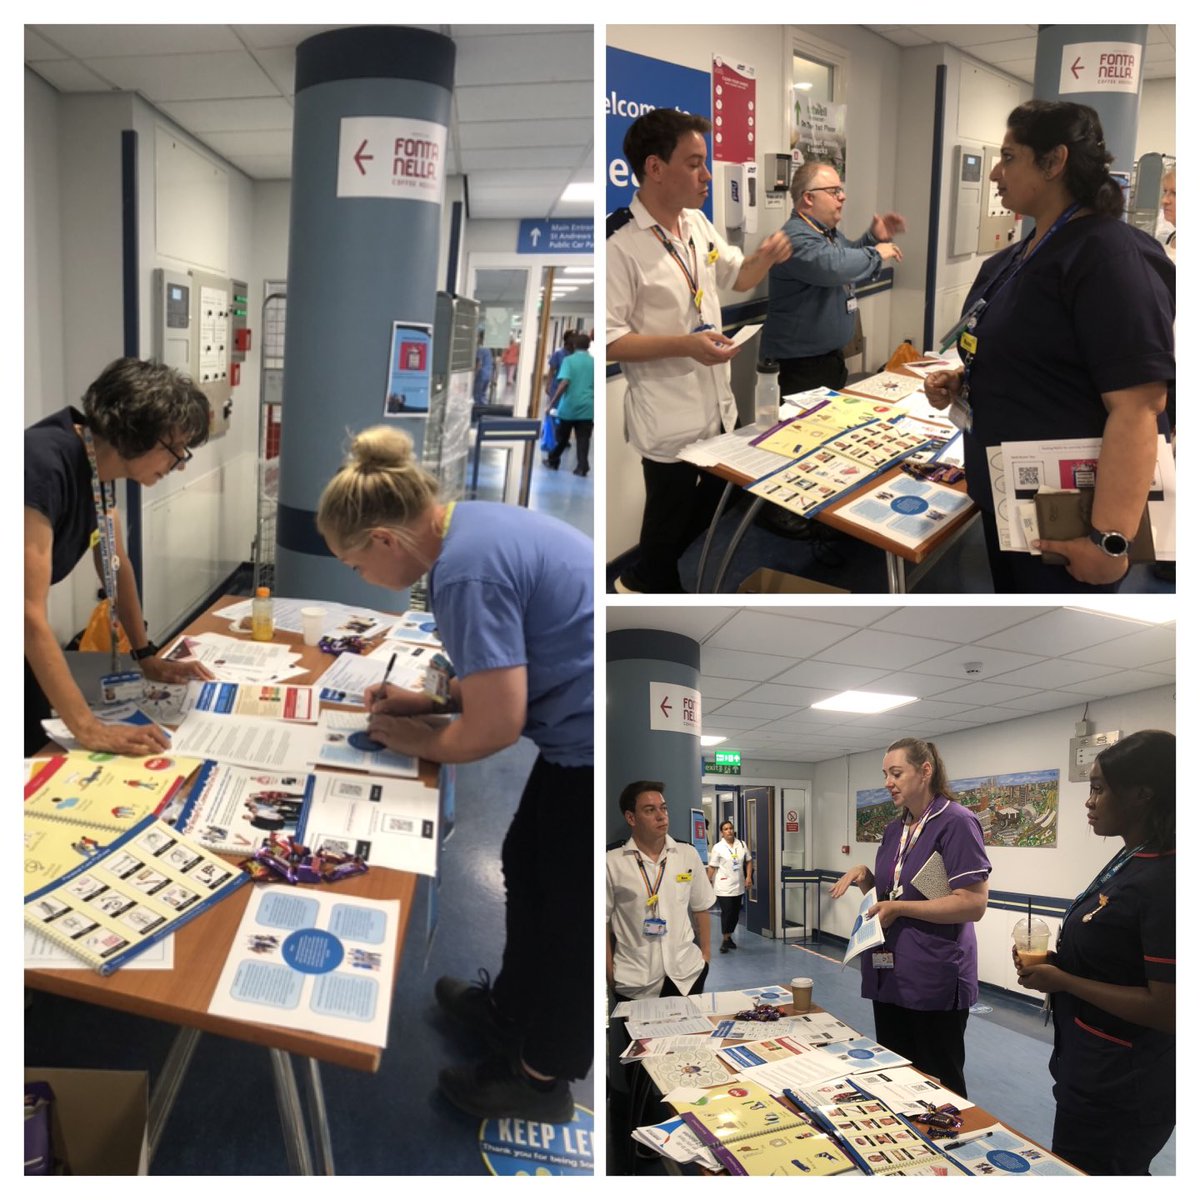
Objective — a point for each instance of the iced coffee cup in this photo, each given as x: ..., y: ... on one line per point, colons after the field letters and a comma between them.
x: 802, y: 994
x: 1031, y: 939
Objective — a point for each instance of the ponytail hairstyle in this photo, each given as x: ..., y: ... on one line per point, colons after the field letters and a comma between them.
x: 381, y: 486
x: 1043, y: 125
x: 918, y: 754
x: 1145, y: 761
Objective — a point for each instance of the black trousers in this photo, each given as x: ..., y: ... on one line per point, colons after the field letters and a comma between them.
x: 821, y: 370
x: 1106, y: 1143
x: 546, y: 973
x: 932, y: 1040
x: 583, y: 441
x: 1013, y: 572
x: 731, y: 910
x: 37, y: 709
x: 680, y: 502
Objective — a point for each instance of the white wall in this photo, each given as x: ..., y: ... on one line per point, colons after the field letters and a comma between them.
x: 1156, y: 118
x: 1029, y: 743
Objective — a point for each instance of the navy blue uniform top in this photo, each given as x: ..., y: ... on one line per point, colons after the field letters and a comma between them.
x: 1093, y: 311
x: 1101, y: 1062
x: 58, y: 484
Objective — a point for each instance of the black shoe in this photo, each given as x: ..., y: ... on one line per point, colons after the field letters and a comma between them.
x: 732, y: 944
x: 724, y: 947
x: 494, y: 1088
x: 546, y: 462
x: 783, y: 522
x: 472, y: 1006
x: 580, y: 471
x: 627, y: 586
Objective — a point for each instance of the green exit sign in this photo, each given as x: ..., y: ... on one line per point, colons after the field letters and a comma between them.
x: 710, y: 767
x: 727, y: 758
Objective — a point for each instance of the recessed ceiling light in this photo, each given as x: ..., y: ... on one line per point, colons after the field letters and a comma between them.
x: 864, y: 702
x: 578, y: 193
x: 712, y: 740
x: 578, y: 270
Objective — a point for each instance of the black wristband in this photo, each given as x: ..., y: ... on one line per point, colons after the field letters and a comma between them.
x: 149, y: 650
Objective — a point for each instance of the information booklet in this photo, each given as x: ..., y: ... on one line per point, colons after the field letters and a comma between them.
x: 867, y: 932
x: 685, y: 1068
x: 752, y: 1133
x: 147, y: 884
x: 998, y: 1151
x: 311, y: 959
x: 882, y: 1142
x: 234, y: 810
x: 281, y: 701
x: 78, y: 803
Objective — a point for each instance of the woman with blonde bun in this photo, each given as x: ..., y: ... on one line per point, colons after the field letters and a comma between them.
x: 511, y: 591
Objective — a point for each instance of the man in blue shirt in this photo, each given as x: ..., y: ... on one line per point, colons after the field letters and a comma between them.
x: 811, y: 304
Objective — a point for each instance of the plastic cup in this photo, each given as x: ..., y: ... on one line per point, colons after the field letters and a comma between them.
x: 313, y: 624
x: 1032, y: 941
x: 802, y: 994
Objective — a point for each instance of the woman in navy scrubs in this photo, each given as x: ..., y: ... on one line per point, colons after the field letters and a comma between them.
x: 1112, y: 978
x: 1069, y: 334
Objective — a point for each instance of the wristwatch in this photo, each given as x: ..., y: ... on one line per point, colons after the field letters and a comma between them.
x: 149, y: 650
x: 1114, y: 544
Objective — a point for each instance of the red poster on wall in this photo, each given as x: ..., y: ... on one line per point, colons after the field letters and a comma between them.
x: 734, y: 114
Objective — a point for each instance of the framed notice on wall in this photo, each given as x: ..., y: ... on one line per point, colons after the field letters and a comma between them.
x: 410, y: 363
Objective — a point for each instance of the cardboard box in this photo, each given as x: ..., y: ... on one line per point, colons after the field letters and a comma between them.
x: 767, y: 581
x: 100, y: 1119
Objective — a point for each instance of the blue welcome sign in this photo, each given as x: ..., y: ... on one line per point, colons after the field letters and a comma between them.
x: 515, y: 1146
x: 635, y: 84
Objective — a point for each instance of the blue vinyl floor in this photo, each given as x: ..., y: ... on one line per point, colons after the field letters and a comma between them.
x: 1007, y: 1048
x: 394, y: 1122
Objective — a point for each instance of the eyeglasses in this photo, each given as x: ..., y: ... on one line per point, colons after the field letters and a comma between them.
x: 181, y: 460
x: 837, y: 191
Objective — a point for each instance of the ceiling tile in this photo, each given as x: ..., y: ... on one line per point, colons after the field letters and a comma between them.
x: 723, y: 689
x: 694, y: 621
x: 523, y: 101
x: 69, y: 76
x: 797, y: 697
x: 868, y: 648
x: 1118, y: 685
x: 837, y: 677
x: 216, y: 116
x: 963, y: 623
x: 984, y: 693
x: 1058, y: 633
x: 765, y: 633
x: 749, y: 708
x: 253, y: 142
x: 188, y: 76
x: 123, y: 41
x: 1052, y: 673
x: 1148, y: 645
x: 991, y: 662
x: 737, y: 664
x: 502, y: 61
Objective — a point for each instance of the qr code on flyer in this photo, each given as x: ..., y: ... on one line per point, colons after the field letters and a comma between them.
x: 1029, y: 476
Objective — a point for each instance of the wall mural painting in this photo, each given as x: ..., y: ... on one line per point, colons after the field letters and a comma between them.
x: 1020, y: 809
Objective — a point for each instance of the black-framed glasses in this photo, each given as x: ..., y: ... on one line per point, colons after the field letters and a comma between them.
x: 837, y: 191
x: 181, y: 460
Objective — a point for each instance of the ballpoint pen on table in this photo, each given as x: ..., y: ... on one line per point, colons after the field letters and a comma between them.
x: 971, y: 1137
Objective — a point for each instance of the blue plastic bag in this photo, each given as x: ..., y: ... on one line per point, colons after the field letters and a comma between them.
x: 549, y: 433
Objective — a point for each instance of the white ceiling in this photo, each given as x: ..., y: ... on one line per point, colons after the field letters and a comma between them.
x: 521, y: 119
x: 1013, y: 48
x: 762, y: 668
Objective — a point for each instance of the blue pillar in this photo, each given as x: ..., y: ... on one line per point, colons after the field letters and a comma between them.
x: 368, y: 179
x: 638, y: 658
x: 1063, y: 47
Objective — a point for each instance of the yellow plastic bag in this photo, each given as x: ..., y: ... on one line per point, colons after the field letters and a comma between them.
x: 96, y: 635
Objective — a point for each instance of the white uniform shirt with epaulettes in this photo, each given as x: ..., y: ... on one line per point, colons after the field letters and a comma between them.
x: 670, y: 401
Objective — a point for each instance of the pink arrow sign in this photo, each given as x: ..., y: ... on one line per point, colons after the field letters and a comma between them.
x: 665, y: 707
x: 360, y: 157
x: 1076, y: 67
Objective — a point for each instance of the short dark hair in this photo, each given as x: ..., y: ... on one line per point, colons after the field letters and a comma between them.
x: 569, y: 339
x: 657, y: 133
x: 581, y: 341
x: 1145, y: 759
x: 631, y: 791
x: 134, y: 404
x: 1044, y: 124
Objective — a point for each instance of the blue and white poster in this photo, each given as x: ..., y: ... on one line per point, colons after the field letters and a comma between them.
x: 635, y: 84
x: 410, y: 366
x: 514, y: 1146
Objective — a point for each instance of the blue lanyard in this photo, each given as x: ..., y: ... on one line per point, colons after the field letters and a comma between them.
x: 1114, y: 865
x: 690, y: 276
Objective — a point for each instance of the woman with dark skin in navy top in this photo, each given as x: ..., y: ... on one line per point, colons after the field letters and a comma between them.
x: 1069, y: 334
x: 1112, y: 977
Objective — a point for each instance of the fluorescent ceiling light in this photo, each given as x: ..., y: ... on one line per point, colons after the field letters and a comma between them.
x: 578, y: 193
x: 706, y: 740
x: 802, y: 87
x: 864, y: 702
x: 578, y: 270
x: 1148, y: 610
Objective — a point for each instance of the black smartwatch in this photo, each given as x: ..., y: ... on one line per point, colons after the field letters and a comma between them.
x: 1115, y: 545
x: 149, y: 650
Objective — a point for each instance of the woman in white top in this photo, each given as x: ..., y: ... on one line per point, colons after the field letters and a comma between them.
x: 731, y: 869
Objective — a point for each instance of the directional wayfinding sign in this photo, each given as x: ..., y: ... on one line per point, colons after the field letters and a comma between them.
x: 391, y: 158
x: 1100, y: 67
x: 729, y: 758
x: 556, y: 237
x: 674, y: 707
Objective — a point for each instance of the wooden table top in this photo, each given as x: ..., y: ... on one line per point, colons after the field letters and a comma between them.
x: 182, y: 995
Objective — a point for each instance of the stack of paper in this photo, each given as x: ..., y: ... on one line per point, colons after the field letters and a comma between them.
x: 238, y: 660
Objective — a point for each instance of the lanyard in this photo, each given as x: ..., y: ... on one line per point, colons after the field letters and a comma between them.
x: 830, y: 235
x: 691, y: 276
x: 105, y: 499
x: 1114, y: 865
x: 907, y: 843
x: 446, y: 518
x: 652, y: 892
x: 967, y: 349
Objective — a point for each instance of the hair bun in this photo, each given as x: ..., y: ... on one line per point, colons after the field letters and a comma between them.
x: 381, y: 448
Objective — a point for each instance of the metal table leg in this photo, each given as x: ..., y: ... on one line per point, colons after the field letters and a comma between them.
x: 291, y: 1116
x: 322, y: 1144
x: 895, y: 574
x: 708, y: 537
x: 739, y: 533
x: 168, y: 1083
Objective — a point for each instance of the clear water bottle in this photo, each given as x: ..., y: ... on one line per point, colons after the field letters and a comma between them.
x: 766, y: 395
x: 262, y: 616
